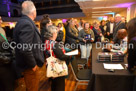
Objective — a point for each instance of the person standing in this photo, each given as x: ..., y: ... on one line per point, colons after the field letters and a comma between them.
x: 132, y: 50
x: 86, y: 43
x: 57, y: 83
x: 119, y: 25
x: 71, y: 33
x: 109, y: 30
x: 1, y: 29
x: 97, y: 32
x: 28, y: 60
x: 61, y: 33
x: 45, y: 22
x: 6, y: 71
x: 103, y: 27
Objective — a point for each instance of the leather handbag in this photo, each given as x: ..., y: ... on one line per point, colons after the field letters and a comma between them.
x: 56, y: 67
x: 4, y: 59
x: 5, y: 56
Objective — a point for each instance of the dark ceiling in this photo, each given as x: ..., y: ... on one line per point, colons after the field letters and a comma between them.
x: 54, y: 6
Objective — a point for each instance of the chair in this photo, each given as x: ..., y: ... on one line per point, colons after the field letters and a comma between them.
x: 82, y: 75
x: 81, y: 63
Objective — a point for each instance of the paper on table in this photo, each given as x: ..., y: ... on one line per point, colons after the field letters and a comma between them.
x: 75, y: 52
x: 113, y: 66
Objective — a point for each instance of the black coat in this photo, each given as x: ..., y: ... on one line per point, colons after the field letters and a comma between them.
x: 132, y: 54
x: 70, y: 36
x: 25, y: 32
x: 117, y: 27
x: 108, y: 27
x: 60, y: 36
x: 102, y: 29
x: 97, y: 36
x: 43, y: 34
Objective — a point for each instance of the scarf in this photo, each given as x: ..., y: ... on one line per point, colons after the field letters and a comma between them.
x: 88, y: 31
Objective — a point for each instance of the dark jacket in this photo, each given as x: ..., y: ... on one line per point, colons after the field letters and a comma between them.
x: 132, y: 54
x: 108, y: 27
x: 58, y: 50
x: 60, y: 36
x: 102, y: 29
x: 43, y: 34
x: 70, y: 35
x: 117, y: 27
x: 97, y: 35
x: 25, y: 32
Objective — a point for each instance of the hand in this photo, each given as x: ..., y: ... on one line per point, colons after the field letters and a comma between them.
x: 108, y: 33
x: 84, y: 40
x: 109, y: 47
x: 100, y: 34
x: 34, y: 69
x: 112, y: 42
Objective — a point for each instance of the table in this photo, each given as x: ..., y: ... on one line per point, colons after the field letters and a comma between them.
x: 102, y: 80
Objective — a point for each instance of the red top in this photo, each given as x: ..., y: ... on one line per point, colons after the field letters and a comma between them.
x: 51, y: 43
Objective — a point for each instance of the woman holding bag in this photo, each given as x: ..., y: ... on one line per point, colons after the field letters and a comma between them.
x: 54, y: 49
x: 86, y: 43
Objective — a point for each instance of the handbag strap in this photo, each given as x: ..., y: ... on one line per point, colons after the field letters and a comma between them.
x: 50, y: 51
x: 50, y: 48
x: 4, y: 37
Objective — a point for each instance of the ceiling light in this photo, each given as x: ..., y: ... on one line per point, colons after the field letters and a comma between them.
x: 123, y: 5
x: 86, y: 0
x: 101, y: 11
x: 98, y: 14
x: 104, y: 7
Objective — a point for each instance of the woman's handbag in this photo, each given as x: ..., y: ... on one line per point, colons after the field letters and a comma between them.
x: 5, y: 56
x: 56, y: 67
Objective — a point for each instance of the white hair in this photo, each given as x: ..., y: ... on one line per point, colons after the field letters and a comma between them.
x: 28, y: 7
x: 50, y: 30
x: 118, y: 15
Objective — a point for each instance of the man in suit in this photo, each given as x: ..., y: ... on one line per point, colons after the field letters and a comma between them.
x: 109, y: 30
x: 28, y: 59
x: 119, y: 25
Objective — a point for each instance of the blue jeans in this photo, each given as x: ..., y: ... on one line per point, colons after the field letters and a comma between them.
x: 85, y: 50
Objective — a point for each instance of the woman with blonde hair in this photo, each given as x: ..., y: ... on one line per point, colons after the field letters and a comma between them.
x: 86, y: 37
x: 71, y: 33
x: 61, y: 33
x: 97, y: 31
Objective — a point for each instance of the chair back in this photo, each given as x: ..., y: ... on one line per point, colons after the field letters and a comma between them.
x: 74, y: 67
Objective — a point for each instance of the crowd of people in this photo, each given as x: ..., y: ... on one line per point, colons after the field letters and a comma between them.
x: 28, y: 61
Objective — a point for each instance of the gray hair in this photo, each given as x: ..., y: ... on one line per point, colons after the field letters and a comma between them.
x: 28, y: 7
x: 95, y: 23
x: 50, y: 30
x: 118, y: 15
